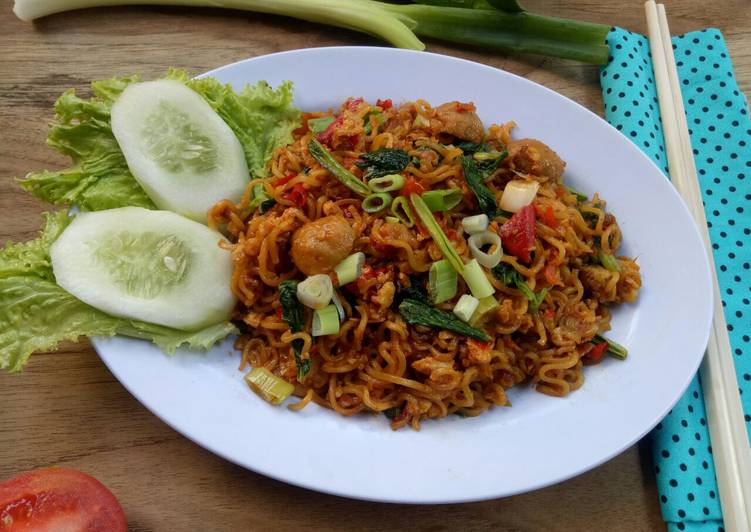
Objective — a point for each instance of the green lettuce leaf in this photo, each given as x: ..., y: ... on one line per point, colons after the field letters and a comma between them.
x: 262, y: 118
x: 36, y: 314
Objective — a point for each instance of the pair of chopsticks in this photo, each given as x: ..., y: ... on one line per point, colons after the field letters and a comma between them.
x: 730, y: 444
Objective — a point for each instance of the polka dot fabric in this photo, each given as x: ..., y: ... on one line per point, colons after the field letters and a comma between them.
x: 717, y: 114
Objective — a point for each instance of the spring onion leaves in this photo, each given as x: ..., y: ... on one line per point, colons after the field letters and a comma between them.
x: 614, y: 349
x: 262, y: 118
x: 344, y: 176
x: 292, y: 313
x: 418, y: 313
x: 475, y: 176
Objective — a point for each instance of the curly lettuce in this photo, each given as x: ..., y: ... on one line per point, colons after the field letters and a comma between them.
x: 261, y: 117
x: 36, y: 314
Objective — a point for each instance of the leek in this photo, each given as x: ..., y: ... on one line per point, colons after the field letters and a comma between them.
x: 505, y: 29
x: 466, y: 307
x: 377, y: 202
x: 439, y: 237
x: 268, y: 386
x: 325, y: 321
x: 484, y: 308
x: 442, y: 199
x: 478, y: 240
x: 344, y: 176
x: 315, y: 291
x: 477, y: 281
x: 615, y: 349
x: 475, y: 224
x: 402, y: 211
x: 387, y: 183
x: 608, y: 261
x: 442, y: 281
x: 350, y: 268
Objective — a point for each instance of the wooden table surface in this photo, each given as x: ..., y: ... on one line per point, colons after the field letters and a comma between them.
x: 66, y: 408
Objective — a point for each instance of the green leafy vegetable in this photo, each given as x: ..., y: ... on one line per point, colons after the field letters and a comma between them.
x: 260, y: 200
x: 393, y: 412
x: 292, y: 313
x: 608, y: 261
x: 37, y: 314
x: 344, y: 176
x: 580, y: 196
x: 475, y: 176
x: 418, y: 313
x: 383, y: 161
x: 510, y: 277
x: 416, y: 290
x: 470, y: 148
x: 262, y: 119
x: 614, y: 349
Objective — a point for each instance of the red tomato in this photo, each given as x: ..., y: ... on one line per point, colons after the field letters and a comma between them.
x: 58, y: 498
x: 595, y: 354
x: 547, y: 216
x: 518, y: 234
x: 328, y: 133
x: 385, y: 104
x: 296, y: 195
x: 412, y: 186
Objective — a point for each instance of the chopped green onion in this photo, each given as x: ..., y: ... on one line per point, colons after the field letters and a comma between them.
x: 418, y: 313
x: 478, y: 240
x: 376, y: 202
x: 518, y: 194
x: 442, y: 199
x: 319, y: 125
x: 338, y: 304
x: 344, y: 176
x: 475, y: 224
x: 315, y: 291
x: 580, y: 196
x: 392, y: 219
x: 477, y: 281
x: 539, y: 297
x: 380, y: 118
x: 484, y: 308
x: 420, y: 121
x: 387, y: 183
x: 608, y: 261
x: 350, y: 268
x: 466, y: 307
x: 405, y: 216
x: 268, y: 386
x: 614, y: 348
x: 442, y: 281
x: 486, y: 155
x: 325, y: 321
x: 439, y: 237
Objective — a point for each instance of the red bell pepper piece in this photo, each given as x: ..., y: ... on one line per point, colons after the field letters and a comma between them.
x: 518, y: 234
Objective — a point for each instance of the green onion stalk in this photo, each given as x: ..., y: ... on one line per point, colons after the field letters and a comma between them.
x: 495, y: 24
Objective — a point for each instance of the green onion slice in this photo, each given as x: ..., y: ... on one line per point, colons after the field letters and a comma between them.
x: 439, y: 237
x: 402, y: 211
x: 442, y: 281
x: 315, y: 291
x: 392, y: 219
x: 443, y: 199
x: 376, y: 202
x: 608, y: 261
x: 484, y: 308
x: 466, y: 307
x: 478, y: 240
x: 268, y: 386
x: 475, y: 224
x: 614, y: 348
x: 477, y: 281
x: 387, y: 183
x: 325, y: 321
x: 350, y: 268
x: 347, y: 178
x: 319, y: 125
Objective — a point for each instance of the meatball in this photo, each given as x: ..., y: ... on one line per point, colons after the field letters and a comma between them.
x: 318, y: 246
x: 460, y: 120
x: 535, y: 158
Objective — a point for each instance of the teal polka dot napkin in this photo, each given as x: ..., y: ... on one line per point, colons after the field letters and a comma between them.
x: 720, y: 128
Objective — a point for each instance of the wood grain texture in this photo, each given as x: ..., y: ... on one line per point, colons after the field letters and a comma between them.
x: 67, y: 409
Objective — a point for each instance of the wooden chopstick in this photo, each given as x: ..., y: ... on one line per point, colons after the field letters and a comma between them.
x: 730, y: 444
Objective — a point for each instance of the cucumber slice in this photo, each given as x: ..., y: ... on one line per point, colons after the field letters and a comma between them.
x: 153, y: 266
x: 179, y: 150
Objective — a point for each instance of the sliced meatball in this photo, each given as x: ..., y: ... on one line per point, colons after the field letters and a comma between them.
x: 461, y: 121
x: 318, y: 246
x: 535, y: 158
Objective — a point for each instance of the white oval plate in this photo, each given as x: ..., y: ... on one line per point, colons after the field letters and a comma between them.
x: 540, y: 440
